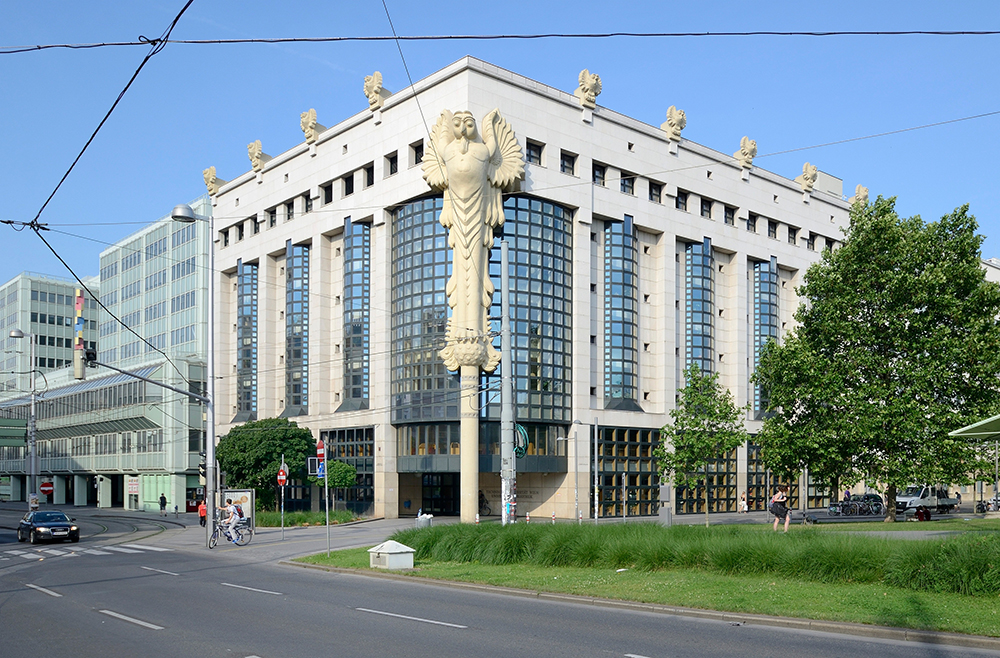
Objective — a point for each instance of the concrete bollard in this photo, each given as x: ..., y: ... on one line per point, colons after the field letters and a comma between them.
x: 553, y: 518
x: 527, y: 517
x: 580, y: 515
x: 477, y: 518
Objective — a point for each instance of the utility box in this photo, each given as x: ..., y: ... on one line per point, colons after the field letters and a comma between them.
x: 390, y: 555
x: 425, y: 520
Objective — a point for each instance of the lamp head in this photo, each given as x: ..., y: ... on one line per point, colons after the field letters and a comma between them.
x: 183, y: 213
x: 16, y: 333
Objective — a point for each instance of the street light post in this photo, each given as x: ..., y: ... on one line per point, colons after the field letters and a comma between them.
x: 32, y: 443
x: 185, y: 214
x: 576, y: 472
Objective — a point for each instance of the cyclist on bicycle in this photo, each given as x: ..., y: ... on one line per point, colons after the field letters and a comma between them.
x: 233, y: 518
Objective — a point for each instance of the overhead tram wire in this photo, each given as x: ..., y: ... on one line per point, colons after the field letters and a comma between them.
x: 156, y: 45
x: 12, y: 50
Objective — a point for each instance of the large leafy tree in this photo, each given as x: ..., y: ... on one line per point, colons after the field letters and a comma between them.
x: 706, y: 425
x: 251, y: 455
x: 898, y: 343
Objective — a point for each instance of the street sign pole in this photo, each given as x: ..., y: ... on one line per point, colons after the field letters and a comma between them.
x: 282, y: 475
x: 321, y: 454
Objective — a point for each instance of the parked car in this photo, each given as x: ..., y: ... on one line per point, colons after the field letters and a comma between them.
x: 47, y: 526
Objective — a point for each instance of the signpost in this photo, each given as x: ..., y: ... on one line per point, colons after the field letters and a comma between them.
x: 46, y: 488
x: 321, y: 472
x: 282, y: 478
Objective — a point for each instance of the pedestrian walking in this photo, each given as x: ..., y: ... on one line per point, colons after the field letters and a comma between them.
x: 779, y: 507
x: 744, y: 508
x: 163, y: 505
x: 202, y: 512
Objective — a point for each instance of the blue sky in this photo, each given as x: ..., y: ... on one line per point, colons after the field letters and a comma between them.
x: 199, y: 105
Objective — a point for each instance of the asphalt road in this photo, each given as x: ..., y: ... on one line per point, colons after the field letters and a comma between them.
x: 144, y: 587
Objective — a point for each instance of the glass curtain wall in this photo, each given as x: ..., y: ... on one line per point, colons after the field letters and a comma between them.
x: 246, y: 342
x: 621, y: 322
x: 357, y: 309
x: 699, y: 305
x: 717, y: 489
x: 764, y: 314
x: 627, y: 471
x: 761, y: 482
x: 296, y: 330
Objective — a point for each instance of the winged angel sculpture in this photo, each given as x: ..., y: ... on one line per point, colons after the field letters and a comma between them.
x: 473, y: 172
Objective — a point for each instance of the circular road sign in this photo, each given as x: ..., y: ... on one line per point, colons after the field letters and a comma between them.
x: 320, y: 450
x: 282, y: 478
x: 46, y: 488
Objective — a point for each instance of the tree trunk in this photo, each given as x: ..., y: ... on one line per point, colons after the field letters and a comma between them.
x: 890, y: 504
x: 706, y: 495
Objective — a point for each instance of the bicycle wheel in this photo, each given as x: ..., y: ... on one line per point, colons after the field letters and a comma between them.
x: 214, y: 539
x: 243, y: 536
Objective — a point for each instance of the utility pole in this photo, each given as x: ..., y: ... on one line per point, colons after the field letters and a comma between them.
x: 508, y: 466
x: 597, y: 491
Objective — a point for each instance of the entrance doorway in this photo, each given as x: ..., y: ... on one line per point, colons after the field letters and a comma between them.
x: 440, y: 494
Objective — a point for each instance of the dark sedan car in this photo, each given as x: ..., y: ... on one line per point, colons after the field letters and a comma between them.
x: 47, y: 526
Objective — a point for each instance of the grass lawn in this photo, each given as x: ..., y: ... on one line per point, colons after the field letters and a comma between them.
x: 273, y: 519
x: 866, y: 603
x: 834, y: 572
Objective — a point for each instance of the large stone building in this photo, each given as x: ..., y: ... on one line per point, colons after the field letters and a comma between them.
x: 633, y: 253
x: 112, y: 439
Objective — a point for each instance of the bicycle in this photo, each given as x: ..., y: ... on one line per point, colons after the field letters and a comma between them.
x: 243, y: 534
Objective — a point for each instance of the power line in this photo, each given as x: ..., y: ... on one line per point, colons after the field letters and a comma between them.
x: 10, y: 50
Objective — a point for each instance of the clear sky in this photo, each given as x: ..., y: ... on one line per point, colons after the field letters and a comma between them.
x: 199, y: 105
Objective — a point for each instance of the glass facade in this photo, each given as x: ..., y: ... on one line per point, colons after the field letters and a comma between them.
x: 764, y: 314
x: 540, y: 238
x: 628, y: 480
x: 355, y: 446
x: 717, y: 488
x: 699, y: 305
x: 421, y: 387
x: 357, y: 315
x: 246, y: 342
x: 621, y: 317
x: 296, y: 330
x: 761, y: 483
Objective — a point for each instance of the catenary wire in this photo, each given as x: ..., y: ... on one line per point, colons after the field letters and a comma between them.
x: 11, y: 50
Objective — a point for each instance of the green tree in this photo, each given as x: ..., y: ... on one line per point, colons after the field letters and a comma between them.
x: 706, y: 425
x: 341, y: 474
x: 897, y: 344
x: 251, y: 455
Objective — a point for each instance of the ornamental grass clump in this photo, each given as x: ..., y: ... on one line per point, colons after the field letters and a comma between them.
x: 967, y: 564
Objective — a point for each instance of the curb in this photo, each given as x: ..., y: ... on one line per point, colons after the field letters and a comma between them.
x: 734, y: 618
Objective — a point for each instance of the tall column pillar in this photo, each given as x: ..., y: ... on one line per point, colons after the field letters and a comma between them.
x: 59, y: 489
x: 80, y: 485
x: 470, y: 443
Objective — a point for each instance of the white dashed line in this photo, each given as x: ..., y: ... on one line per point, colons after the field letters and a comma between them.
x: 121, y: 550
x: 137, y: 622
x: 253, y: 589
x: 169, y: 573
x: 145, y: 547
x: 43, y: 590
x: 426, y: 621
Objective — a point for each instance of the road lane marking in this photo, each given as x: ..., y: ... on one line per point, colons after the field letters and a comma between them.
x: 634, y: 655
x: 144, y: 547
x: 426, y: 621
x: 169, y: 573
x: 253, y: 589
x: 43, y: 590
x: 15, y: 552
x: 31, y: 556
x: 94, y: 551
x: 137, y: 622
x: 120, y: 549
x: 52, y: 551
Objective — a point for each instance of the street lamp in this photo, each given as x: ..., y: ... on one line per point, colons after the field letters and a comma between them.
x: 183, y: 213
x: 576, y: 471
x: 32, y: 444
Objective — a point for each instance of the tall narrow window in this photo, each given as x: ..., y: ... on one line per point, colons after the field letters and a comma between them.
x: 533, y: 153
x: 729, y: 215
x: 357, y: 290
x: 246, y: 342
x: 289, y: 211
x: 621, y: 322
x: 296, y: 330
x: 764, y: 311
x: 681, y: 202
x: 567, y: 163
x: 752, y: 223
x: 655, y: 192
x: 793, y: 235
x: 699, y: 305
x: 628, y: 183
x: 706, y: 208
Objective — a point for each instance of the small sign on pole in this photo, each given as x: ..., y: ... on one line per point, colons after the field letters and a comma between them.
x: 46, y: 488
x: 282, y: 477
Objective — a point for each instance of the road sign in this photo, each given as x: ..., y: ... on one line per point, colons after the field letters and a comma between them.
x: 320, y: 450
x: 321, y: 470
x: 282, y: 477
x: 46, y: 488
